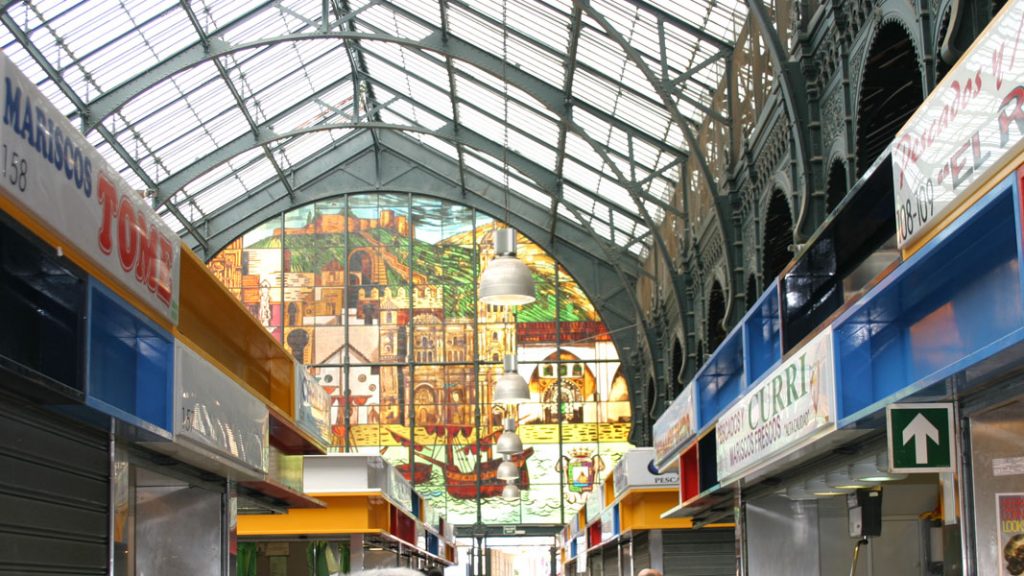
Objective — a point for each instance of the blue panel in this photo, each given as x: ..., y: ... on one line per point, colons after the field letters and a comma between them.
x: 957, y: 296
x: 720, y: 381
x: 762, y: 335
x: 130, y: 360
x: 616, y: 526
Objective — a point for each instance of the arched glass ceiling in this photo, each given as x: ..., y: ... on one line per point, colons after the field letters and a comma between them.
x: 205, y: 103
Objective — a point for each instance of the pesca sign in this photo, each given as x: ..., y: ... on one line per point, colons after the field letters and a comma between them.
x: 969, y: 125
x: 50, y: 170
x: 636, y: 469
x: 675, y: 426
x: 789, y: 406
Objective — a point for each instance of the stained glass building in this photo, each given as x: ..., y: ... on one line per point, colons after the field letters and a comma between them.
x: 377, y: 294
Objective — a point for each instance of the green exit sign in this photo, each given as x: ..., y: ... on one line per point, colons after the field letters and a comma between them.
x: 920, y: 437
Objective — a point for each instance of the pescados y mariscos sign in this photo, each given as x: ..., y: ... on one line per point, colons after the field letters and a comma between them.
x: 966, y: 129
x: 790, y: 404
x: 675, y: 426
x: 49, y: 169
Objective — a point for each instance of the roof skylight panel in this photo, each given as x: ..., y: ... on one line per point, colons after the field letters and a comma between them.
x: 213, y: 198
x: 611, y: 191
x: 311, y: 113
x: 428, y: 11
x: 595, y: 91
x: 258, y: 173
x: 641, y: 115
x: 87, y: 26
x: 169, y: 92
x: 171, y: 220
x: 185, y: 150
x: 218, y: 13
x: 394, y: 23
x: 577, y: 198
x: 222, y: 171
x: 474, y: 29
x: 531, y: 148
x: 523, y: 188
x: 582, y: 151
x: 601, y: 229
x: 442, y: 146
x: 427, y: 95
x: 305, y: 146
x: 482, y: 123
x: 567, y: 214
x: 578, y: 174
x: 474, y: 160
x: 268, y: 23
x: 540, y: 64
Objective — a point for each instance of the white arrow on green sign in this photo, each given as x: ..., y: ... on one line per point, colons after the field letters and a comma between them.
x: 920, y: 437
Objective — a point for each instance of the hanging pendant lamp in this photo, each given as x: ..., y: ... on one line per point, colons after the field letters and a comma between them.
x: 509, y: 442
x: 511, y: 388
x: 506, y: 281
x: 510, y: 491
x: 507, y: 470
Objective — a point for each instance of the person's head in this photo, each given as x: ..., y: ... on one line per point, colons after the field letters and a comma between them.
x: 649, y: 572
x: 435, y: 572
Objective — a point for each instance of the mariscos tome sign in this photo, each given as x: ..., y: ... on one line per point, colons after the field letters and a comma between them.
x: 48, y: 168
x: 966, y: 129
x: 791, y: 404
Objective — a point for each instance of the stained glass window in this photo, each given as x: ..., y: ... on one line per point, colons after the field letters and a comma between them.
x: 377, y: 294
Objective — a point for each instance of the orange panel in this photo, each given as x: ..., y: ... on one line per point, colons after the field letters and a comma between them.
x: 642, y: 511
x: 216, y: 322
x: 609, y: 490
x: 343, y: 515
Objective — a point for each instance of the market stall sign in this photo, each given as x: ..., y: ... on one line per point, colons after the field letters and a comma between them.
x: 636, y: 469
x: 215, y: 413
x: 966, y: 130
x: 675, y: 427
x: 50, y: 170
x: 786, y: 409
x: 920, y: 437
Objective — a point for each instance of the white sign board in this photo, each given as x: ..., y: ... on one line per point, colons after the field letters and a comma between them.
x: 966, y: 129
x: 789, y: 405
x: 675, y: 426
x: 49, y: 169
x: 636, y: 470
x: 215, y: 413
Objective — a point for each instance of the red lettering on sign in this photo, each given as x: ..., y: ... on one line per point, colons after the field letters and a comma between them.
x: 141, y: 248
x: 107, y: 197
x: 127, y: 234
x: 1011, y: 112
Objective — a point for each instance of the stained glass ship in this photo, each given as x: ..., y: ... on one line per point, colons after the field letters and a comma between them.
x: 460, y: 467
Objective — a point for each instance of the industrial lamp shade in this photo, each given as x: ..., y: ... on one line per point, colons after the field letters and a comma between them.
x: 510, y: 491
x: 506, y: 281
x: 508, y: 443
x: 507, y: 470
x: 511, y: 388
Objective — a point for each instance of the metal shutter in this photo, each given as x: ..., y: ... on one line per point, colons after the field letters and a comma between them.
x: 611, y: 560
x: 641, y: 551
x: 54, y: 493
x: 704, y: 552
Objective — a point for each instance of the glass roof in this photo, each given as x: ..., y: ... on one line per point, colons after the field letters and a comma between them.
x: 578, y: 106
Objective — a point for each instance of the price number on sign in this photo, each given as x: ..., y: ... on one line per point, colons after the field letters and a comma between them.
x: 15, y: 169
x: 916, y: 210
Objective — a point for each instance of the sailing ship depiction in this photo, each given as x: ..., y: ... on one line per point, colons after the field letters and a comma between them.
x: 460, y: 465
